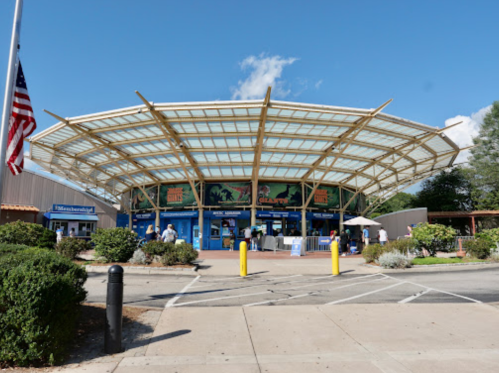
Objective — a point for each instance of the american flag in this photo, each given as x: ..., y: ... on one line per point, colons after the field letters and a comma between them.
x: 22, y: 124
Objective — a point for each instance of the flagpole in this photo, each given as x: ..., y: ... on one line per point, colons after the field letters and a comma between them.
x: 9, y: 86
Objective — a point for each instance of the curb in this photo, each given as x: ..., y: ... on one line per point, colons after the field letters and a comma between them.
x: 145, y: 270
x: 436, y: 267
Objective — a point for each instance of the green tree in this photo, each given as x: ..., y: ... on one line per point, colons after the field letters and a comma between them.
x: 447, y: 191
x: 400, y: 201
x: 484, y: 162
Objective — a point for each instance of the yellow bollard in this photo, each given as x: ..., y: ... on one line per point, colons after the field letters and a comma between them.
x: 243, y: 259
x: 335, y: 257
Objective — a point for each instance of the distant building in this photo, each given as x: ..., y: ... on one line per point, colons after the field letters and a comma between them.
x: 33, y: 198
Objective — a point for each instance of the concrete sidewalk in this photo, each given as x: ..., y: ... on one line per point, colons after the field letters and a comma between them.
x: 395, y: 338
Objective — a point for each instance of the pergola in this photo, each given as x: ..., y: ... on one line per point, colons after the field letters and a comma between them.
x: 363, y: 150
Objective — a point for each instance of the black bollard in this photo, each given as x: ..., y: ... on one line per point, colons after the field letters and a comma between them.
x: 114, y: 310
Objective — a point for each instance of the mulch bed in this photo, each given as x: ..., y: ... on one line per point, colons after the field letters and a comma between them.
x: 91, y: 322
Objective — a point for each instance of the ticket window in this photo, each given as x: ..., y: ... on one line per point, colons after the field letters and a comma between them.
x: 86, y: 228
x: 242, y: 224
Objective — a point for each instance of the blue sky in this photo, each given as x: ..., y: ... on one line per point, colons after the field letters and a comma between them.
x: 438, y: 60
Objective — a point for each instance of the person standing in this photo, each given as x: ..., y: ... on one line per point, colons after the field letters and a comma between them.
x: 169, y: 235
x: 247, y: 236
x: 254, y: 240
x: 344, y: 243
x: 365, y: 236
x: 232, y: 238
x: 332, y: 235
x: 72, y: 233
x: 383, y: 236
x: 151, y: 235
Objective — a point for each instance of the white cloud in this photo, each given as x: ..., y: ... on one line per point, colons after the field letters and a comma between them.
x: 463, y: 133
x: 266, y: 71
x: 318, y: 84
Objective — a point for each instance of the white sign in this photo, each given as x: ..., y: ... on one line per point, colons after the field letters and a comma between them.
x: 289, y: 240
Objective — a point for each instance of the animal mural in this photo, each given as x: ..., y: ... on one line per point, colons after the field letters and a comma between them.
x: 277, y: 194
x: 176, y: 195
x: 228, y: 194
x: 140, y: 201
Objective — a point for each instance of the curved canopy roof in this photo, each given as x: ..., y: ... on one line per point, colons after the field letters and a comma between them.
x: 360, y: 149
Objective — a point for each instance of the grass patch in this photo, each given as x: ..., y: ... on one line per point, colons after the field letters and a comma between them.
x: 432, y: 260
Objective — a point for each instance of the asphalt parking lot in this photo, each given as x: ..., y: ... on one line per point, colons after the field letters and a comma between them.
x: 159, y: 291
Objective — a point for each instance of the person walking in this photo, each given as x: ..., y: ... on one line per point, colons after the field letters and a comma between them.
x: 59, y: 232
x: 232, y: 238
x: 254, y: 240
x: 169, y: 235
x: 151, y: 235
x: 383, y: 236
x: 344, y: 242
x: 365, y: 236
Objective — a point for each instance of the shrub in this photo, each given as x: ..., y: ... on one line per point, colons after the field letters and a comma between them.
x: 434, y: 237
x: 70, y: 247
x: 185, y: 253
x: 138, y: 257
x: 403, y: 245
x: 478, y: 248
x: 491, y: 234
x: 372, y: 252
x: 7, y: 248
x: 40, y: 297
x: 169, y: 259
x: 394, y: 259
x: 47, y: 240
x: 115, y: 244
x: 29, y: 234
x: 153, y: 248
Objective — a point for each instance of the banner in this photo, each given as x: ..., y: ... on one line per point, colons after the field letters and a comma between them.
x: 346, y: 196
x: 326, y: 197
x: 278, y: 194
x: 227, y: 194
x: 176, y: 195
x: 140, y: 201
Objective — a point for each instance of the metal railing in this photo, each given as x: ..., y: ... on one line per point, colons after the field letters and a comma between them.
x: 313, y: 245
x: 464, y: 238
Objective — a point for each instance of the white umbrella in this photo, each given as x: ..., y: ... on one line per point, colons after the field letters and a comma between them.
x: 360, y: 220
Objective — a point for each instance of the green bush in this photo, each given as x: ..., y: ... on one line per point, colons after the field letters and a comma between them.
x: 491, y: 234
x: 29, y: 234
x: 371, y: 253
x: 40, y: 297
x: 153, y: 248
x: 185, y: 253
x: 169, y: 259
x: 403, y: 245
x: 478, y: 248
x: 8, y: 248
x: 182, y: 253
x: 47, y: 240
x: 115, y: 244
x: 70, y: 247
x: 434, y: 237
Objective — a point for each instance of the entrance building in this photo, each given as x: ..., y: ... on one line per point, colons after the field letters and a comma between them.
x: 210, y: 168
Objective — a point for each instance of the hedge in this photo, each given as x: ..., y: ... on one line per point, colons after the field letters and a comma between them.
x: 7, y: 248
x: 29, y: 234
x: 115, y: 244
x: 40, y: 297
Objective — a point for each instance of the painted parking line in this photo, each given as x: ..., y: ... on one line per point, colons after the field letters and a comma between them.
x: 262, y: 280
x: 365, y: 294
x: 311, y: 293
x: 415, y: 296
x: 221, y: 298
x: 434, y: 289
x: 172, y: 301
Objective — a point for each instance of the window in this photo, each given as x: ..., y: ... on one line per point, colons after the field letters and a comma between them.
x: 215, y: 229
x: 241, y: 226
